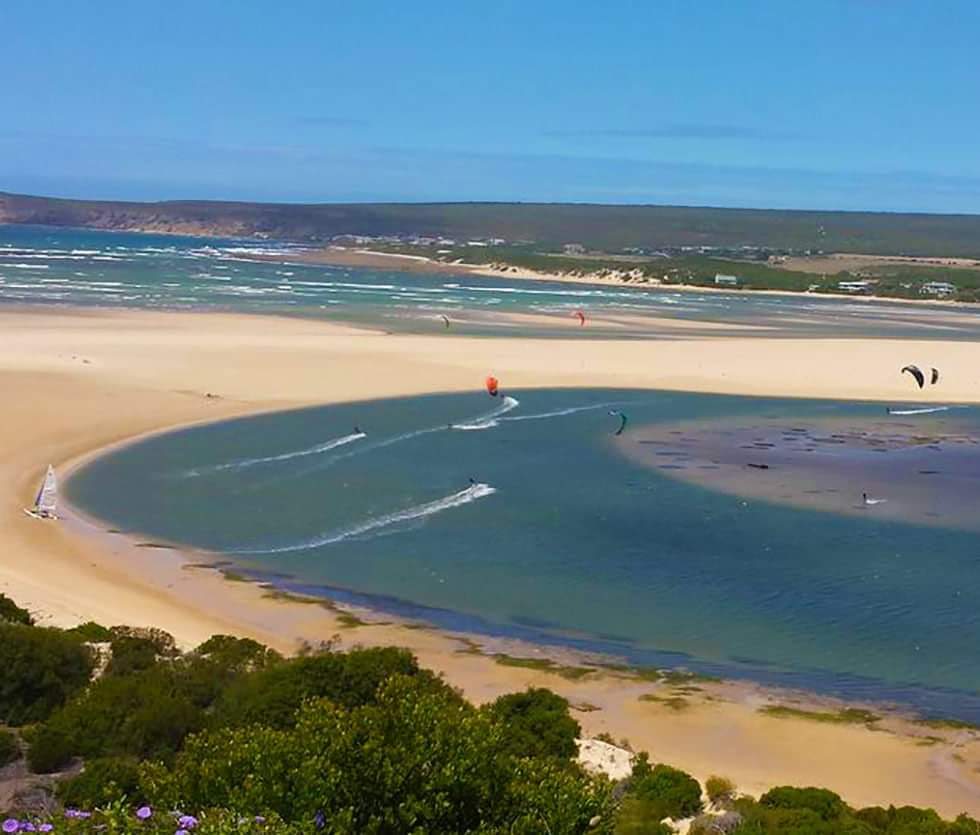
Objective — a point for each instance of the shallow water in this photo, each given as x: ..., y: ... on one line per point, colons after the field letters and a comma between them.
x: 41, y: 265
x: 562, y: 538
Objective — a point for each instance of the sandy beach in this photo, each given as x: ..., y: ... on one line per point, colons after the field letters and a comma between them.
x: 76, y: 382
x: 338, y: 256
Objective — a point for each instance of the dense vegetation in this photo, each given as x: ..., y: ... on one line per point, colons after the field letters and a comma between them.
x: 10, y: 612
x: 232, y: 737
x: 606, y: 228
x: 752, y: 270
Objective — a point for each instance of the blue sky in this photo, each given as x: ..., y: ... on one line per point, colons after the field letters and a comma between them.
x: 852, y: 104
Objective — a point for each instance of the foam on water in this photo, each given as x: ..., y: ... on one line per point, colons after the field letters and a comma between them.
x: 924, y: 411
x: 489, y: 420
x: 463, y: 497
x: 572, y: 410
x: 244, y: 463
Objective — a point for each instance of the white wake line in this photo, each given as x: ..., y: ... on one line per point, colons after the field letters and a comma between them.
x: 572, y: 410
x: 463, y: 497
x: 925, y: 411
x: 243, y: 463
x: 477, y: 422
x: 489, y: 420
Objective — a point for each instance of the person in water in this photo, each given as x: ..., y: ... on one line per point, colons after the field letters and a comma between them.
x: 357, y: 430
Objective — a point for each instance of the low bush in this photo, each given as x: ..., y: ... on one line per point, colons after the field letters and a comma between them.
x: 669, y: 792
x: 413, y: 759
x: 50, y: 749
x: 822, y: 802
x: 42, y: 668
x: 537, y: 724
x: 238, y: 654
x: 103, y: 780
x: 145, y: 714
x: 12, y: 613
x: 272, y: 695
x: 9, y: 748
x: 719, y: 789
x: 131, y: 654
x: 91, y: 632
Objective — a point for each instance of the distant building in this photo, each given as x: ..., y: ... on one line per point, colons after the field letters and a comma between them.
x: 476, y: 243
x: 862, y: 286
x: 727, y: 280
x: 497, y: 242
x: 573, y: 249
x: 938, y: 288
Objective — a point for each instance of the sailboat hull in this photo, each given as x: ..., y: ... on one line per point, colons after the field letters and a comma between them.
x: 35, y: 514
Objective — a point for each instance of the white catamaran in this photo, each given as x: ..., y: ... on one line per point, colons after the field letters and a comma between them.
x: 47, y: 497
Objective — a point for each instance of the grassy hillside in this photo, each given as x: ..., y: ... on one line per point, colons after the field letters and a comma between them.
x: 606, y: 228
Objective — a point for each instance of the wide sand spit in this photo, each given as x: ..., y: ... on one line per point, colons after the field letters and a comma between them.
x: 78, y: 382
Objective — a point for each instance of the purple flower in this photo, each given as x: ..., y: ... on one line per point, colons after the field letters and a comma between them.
x: 182, y: 832
x: 45, y: 827
x: 259, y: 819
x: 320, y: 819
x: 75, y: 813
x: 10, y: 825
x: 27, y: 826
x: 144, y: 812
x: 186, y: 821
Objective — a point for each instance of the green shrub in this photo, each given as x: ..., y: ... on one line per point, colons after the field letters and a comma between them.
x: 759, y: 819
x: 909, y: 820
x: 664, y: 791
x: 146, y: 714
x: 823, y: 802
x: 272, y: 695
x: 163, y: 642
x: 637, y: 816
x: 42, y: 668
x: 240, y: 654
x: 101, y: 782
x: 91, y: 632
x: 145, y: 711
x: 719, y: 789
x: 49, y: 750
x: 414, y: 759
x: 131, y: 654
x: 9, y: 748
x: 12, y: 613
x: 537, y: 724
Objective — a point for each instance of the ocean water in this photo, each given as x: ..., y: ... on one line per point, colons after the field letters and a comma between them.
x: 53, y: 266
x: 528, y: 517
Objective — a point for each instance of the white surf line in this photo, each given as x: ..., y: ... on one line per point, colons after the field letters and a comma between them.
x: 243, y: 463
x: 489, y: 420
x: 925, y: 411
x: 463, y: 497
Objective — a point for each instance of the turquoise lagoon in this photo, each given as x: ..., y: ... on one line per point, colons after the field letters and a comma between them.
x: 563, y: 539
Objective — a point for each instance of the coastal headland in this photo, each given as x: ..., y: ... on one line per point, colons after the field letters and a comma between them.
x: 79, y: 382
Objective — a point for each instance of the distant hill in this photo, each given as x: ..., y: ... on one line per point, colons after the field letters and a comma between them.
x: 600, y: 227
